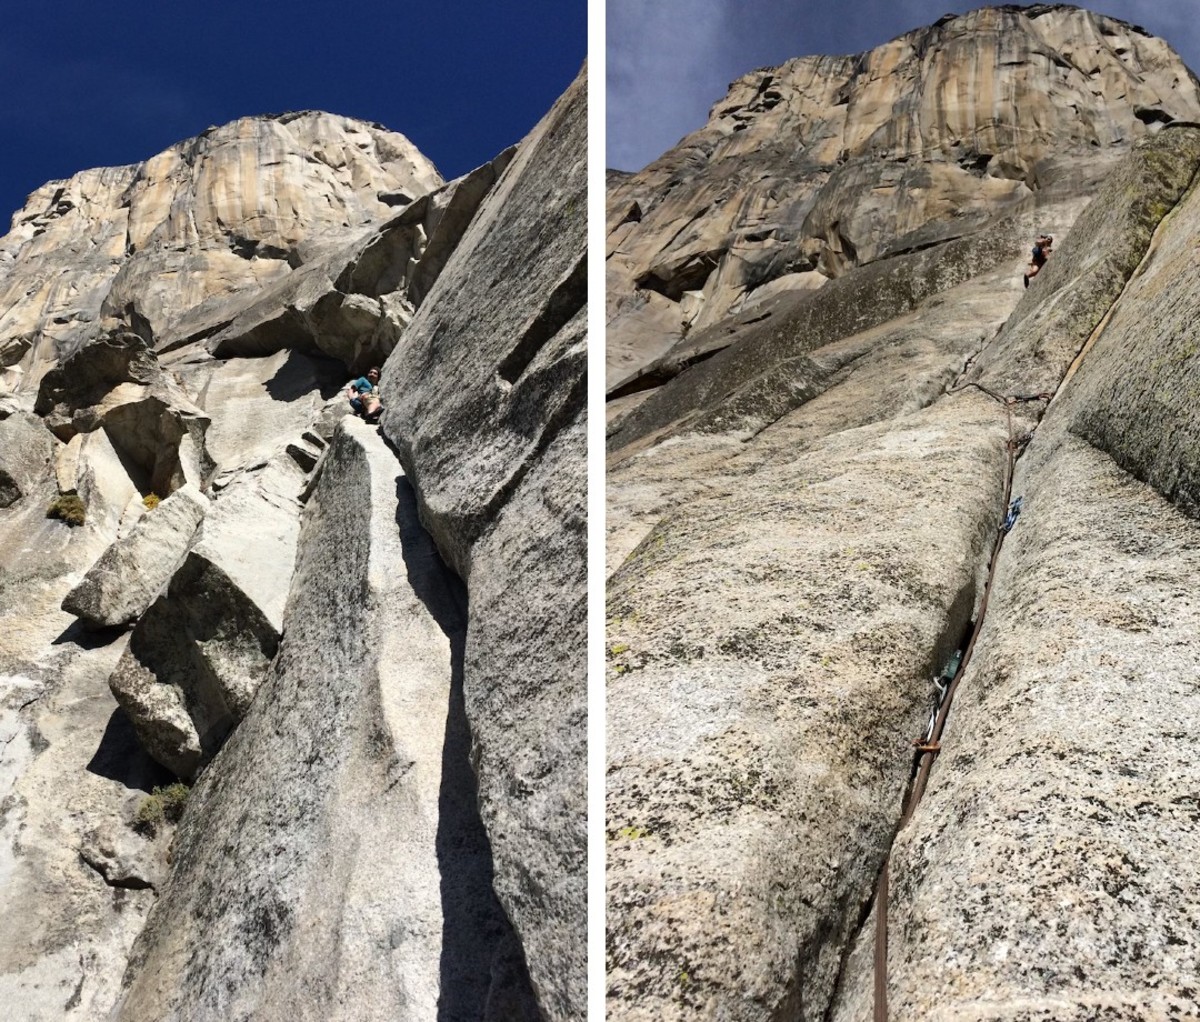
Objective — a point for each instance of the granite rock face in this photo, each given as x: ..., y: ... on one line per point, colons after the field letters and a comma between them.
x: 199, y: 652
x: 494, y: 446
x: 209, y: 218
x: 353, y: 303
x: 804, y: 494
x: 399, y: 914
x: 183, y: 330
x: 825, y: 163
x: 116, y: 384
x: 25, y: 452
x: 1068, y: 780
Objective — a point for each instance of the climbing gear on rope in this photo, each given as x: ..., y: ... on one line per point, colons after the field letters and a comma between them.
x: 927, y: 751
x: 1014, y: 509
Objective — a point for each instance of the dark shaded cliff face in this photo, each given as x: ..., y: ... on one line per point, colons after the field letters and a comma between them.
x: 803, y: 505
x: 825, y: 163
x: 307, y: 618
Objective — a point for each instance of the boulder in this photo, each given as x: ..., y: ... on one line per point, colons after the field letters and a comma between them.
x: 122, y: 857
x: 26, y: 448
x: 116, y: 383
x: 128, y: 576
x: 198, y: 654
x: 90, y: 466
x: 194, y: 662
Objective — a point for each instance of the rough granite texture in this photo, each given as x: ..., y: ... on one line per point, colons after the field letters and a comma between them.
x: 766, y: 344
x: 824, y: 163
x: 900, y: 366
x: 353, y: 301
x: 1048, y: 872
x: 26, y: 447
x: 230, y: 210
x: 769, y: 660
x: 763, y: 693
x: 1136, y: 392
x: 1045, y: 876
x: 484, y: 401
x: 199, y: 653
x: 128, y: 576
x: 352, y: 854
x: 1090, y: 267
x: 116, y: 384
x: 193, y: 320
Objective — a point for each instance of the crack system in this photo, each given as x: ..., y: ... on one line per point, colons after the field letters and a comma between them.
x: 926, y: 750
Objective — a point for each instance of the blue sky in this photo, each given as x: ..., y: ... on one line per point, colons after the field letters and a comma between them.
x: 99, y: 84
x: 669, y: 61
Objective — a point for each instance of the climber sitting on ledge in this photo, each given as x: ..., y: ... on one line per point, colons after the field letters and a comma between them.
x: 1041, y: 251
x: 364, y: 395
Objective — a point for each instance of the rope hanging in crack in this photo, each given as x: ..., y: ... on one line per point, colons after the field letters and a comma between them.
x: 927, y: 750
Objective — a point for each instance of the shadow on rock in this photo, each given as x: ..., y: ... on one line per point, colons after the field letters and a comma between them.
x: 120, y: 757
x: 77, y: 634
x: 482, y: 971
x: 301, y: 374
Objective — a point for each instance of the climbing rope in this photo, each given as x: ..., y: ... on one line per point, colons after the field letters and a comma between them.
x: 926, y: 749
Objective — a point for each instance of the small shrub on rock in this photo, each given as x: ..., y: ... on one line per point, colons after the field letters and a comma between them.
x: 151, y: 500
x: 162, y: 805
x: 174, y: 798
x: 150, y: 815
x: 69, y: 507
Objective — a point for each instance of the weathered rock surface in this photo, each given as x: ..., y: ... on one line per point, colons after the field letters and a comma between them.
x: 353, y: 300
x: 199, y: 653
x: 1066, y: 781
x: 756, y: 348
x: 71, y: 775
x: 117, y: 385
x: 91, y: 467
x: 757, y: 749
x: 120, y: 586
x: 1044, y: 876
x: 353, y: 854
x: 826, y: 163
x: 190, y: 322
x: 494, y: 445
x: 26, y: 448
x: 231, y: 210
x: 256, y: 402
x: 800, y: 522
